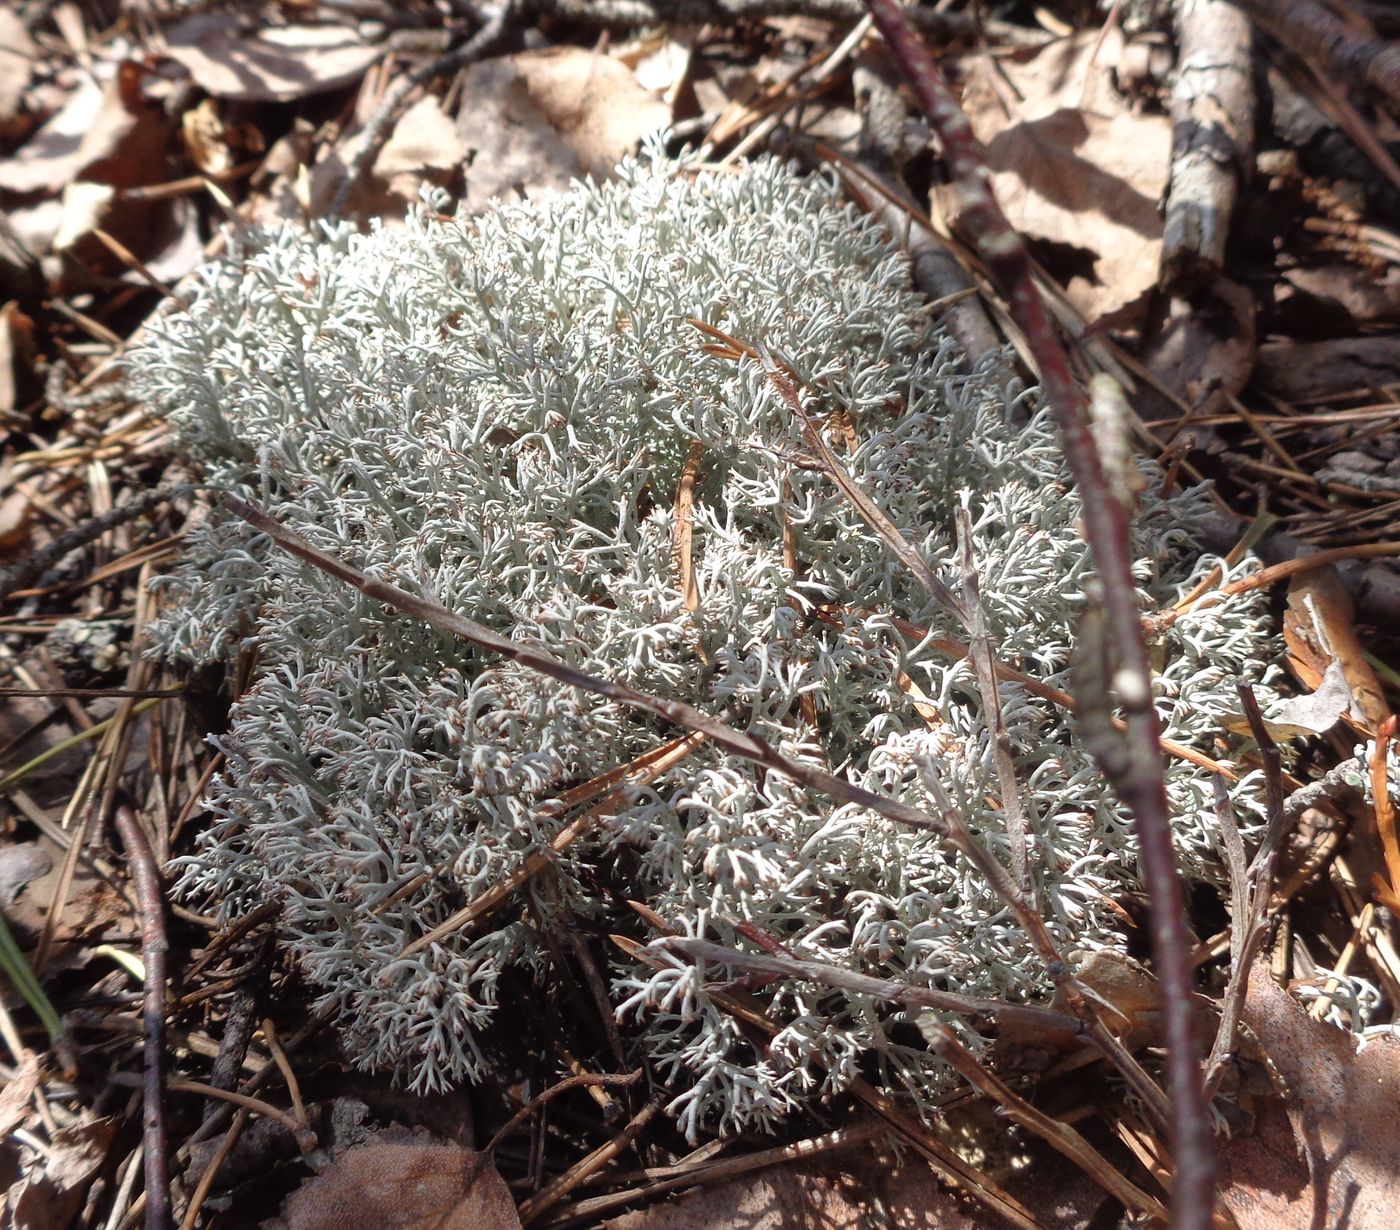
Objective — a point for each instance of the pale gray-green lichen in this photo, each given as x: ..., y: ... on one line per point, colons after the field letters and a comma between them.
x: 497, y: 412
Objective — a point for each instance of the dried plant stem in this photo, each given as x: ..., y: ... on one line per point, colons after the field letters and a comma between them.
x: 211, y: 1171
x: 706, y: 1173
x: 1137, y: 771
x: 1027, y: 1016
x: 1059, y: 1136
x: 945, y: 1162
x: 947, y: 825
x: 142, y: 865
x: 641, y: 771
x: 1251, y: 889
x: 542, y: 1201
x: 584, y: 1080
x: 749, y: 747
x: 979, y: 647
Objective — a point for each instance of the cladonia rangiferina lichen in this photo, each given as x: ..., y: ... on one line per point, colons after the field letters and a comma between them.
x: 497, y: 412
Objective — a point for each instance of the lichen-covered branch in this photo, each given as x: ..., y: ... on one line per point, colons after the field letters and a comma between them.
x: 1212, y: 140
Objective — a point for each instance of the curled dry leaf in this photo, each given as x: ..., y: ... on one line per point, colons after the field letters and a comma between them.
x: 53, y: 1192
x: 1315, y: 713
x: 1203, y: 347
x: 1319, y: 628
x: 424, y: 145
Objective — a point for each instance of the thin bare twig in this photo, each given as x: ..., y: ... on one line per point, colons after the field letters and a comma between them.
x: 749, y: 747
x: 1136, y: 771
x: 18, y: 575
x: 1251, y: 888
x: 542, y: 1201
x: 944, y: 1160
x: 825, y: 974
x: 582, y: 1081
x: 142, y: 865
x: 947, y: 824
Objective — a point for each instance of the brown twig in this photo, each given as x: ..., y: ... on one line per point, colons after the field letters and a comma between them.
x: 1136, y: 768
x: 142, y: 866
x: 1313, y: 33
x: 584, y: 1080
x: 947, y: 824
x: 18, y: 575
x: 641, y: 771
x: 747, y: 746
x: 1251, y: 888
x: 542, y: 1201
x: 1061, y: 1137
x: 1027, y: 1016
x: 703, y: 1174
x: 979, y: 650
x: 945, y: 1162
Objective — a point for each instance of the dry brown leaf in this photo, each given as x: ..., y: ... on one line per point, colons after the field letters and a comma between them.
x: 403, y: 1186
x: 52, y: 1194
x: 1328, y: 1152
x: 1314, y: 713
x: 1340, y: 298
x: 852, y: 1192
x: 538, y: 120
x: 1319, y: 627
x: 424, y: 146
x: 1073, y: 165
x: 20, y: 863
x: 52, y: 156
x: 17, y: 53
x: 230, y: 59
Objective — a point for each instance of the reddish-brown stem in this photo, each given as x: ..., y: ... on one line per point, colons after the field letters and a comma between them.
x: 1137, y: 773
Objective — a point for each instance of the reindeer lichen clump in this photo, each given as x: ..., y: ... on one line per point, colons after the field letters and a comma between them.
x: 498, y: 413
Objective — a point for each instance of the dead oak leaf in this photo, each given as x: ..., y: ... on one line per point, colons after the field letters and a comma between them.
x: 1074, y: 166
x: 1328, y: 1152
x: 536, y: 121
